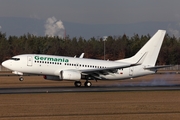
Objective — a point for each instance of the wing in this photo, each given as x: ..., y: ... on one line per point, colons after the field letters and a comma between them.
x: 158, y: 67
x: 96, y: 73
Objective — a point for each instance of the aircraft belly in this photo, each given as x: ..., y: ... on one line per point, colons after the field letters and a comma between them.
x: 127, y: 73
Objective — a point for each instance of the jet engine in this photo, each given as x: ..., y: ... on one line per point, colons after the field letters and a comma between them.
x: 65, y: 75
x: 70, y: 75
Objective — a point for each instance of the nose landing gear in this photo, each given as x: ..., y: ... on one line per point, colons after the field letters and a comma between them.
x: 21, y: 78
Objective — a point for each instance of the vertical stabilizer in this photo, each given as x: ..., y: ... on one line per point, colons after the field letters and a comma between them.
x: 152, y: 48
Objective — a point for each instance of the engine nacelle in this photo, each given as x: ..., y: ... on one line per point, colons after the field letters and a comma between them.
x: 70, y: 75
x: 49, y: 77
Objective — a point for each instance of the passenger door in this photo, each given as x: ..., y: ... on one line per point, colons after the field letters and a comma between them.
x: 131, y: 71
x: 29, y: 61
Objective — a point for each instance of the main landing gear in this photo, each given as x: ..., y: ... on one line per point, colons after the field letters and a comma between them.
x: 77, y: 83
x: 86, y: 84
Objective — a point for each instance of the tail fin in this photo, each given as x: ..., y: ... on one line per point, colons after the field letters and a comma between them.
x: 151, y: 48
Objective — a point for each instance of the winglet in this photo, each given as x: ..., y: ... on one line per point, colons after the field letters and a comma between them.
x: 81, y: 56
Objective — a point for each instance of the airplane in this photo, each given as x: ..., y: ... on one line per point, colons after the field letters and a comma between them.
x: 60, y: 68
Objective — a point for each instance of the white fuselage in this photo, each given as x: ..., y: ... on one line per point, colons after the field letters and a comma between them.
x: 52, y: 65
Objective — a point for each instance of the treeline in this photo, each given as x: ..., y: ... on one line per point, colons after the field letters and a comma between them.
x: 115, y: 47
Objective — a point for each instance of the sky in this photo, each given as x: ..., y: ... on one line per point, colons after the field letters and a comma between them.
x: 94, y: 11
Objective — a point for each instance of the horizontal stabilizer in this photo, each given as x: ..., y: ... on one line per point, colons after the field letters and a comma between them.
x: 158, y: 67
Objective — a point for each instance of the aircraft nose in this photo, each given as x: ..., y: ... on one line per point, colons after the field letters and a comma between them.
x: 5, y: 64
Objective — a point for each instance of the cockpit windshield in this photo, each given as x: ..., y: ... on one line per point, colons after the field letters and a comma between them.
x: 16, y: 59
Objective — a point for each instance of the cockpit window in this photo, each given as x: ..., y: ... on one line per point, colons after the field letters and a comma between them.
x: 16, y: 59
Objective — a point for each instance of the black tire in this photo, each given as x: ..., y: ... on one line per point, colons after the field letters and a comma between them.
x: 21, y: 79
x: 87, y: 84
x: 77, y: 84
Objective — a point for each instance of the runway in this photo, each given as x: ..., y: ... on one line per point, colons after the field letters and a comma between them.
x: 36, y: 84
x: 68, y: 89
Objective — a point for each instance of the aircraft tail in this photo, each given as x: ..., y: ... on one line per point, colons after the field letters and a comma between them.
x: 151, y: 49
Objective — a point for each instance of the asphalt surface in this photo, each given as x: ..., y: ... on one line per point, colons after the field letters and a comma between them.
x: 163, y: 82
x: 25, y: 90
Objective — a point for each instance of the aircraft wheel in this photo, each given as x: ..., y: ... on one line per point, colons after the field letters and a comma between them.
x: 21, y: 78
x: 87, y: 84
x: 77, y: 83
